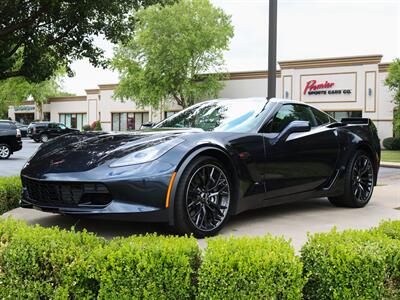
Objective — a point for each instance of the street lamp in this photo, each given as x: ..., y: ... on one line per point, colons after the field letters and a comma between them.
x: 272, y: 33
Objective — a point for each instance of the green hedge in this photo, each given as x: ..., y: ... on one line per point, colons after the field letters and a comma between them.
x: 391, y: 143
x: 250, y: 268
x: 50, y: 263
x: 10, y: 193
x: 353, y: 264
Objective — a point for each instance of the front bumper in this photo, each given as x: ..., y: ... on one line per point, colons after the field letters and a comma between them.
x: 140, y: 199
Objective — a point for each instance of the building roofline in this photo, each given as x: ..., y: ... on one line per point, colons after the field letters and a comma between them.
x: 109, y: 86
x: 250, y: 75
x: 331, y: 62
x: 67, y: 98
x: 383, y: 67
x: 92, y: 91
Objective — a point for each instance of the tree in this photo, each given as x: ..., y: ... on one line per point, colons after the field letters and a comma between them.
x: 170, y: 51
x: 37, y: 37
x: 15, y: 90
x: 393, y: 82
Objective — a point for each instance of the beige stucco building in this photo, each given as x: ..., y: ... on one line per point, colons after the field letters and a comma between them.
x: 342, y: 86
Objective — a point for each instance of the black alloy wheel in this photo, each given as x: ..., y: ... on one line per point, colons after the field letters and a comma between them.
x: 203, y: 199
x: 362, y: 178
x: 359, y: 182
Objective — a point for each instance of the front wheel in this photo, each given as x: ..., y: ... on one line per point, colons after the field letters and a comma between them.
x: 5, y: 151
x: 203, y: 198
x: 359, y: 182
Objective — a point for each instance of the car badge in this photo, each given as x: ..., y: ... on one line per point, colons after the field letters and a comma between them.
x: 57, y: 162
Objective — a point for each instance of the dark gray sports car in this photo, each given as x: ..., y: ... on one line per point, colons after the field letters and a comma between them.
x: 205, y: 163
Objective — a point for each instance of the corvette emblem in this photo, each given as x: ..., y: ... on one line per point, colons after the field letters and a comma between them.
x: 57, y: 162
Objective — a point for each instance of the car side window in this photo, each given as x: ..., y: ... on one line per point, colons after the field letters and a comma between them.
x: 321, y: 117
x: 286, y: 114
x: 62, y: 126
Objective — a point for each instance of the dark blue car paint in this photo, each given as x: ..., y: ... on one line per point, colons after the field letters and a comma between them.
x: 264, y: 171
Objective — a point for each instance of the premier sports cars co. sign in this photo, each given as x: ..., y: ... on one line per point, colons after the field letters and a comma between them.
x: 328, y: 87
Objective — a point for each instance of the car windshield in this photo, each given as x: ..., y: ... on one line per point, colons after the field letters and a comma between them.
x: 224, y: 115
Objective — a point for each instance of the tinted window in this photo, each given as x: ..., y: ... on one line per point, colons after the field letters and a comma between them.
x: 320, y: 117
x: 288, y: 113
x: 224, y: 115
x: 4, y: 125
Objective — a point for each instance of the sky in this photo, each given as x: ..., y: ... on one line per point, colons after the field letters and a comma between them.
x: 306, y: 29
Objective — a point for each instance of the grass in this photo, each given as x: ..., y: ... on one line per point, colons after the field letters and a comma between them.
x: 391, y: 155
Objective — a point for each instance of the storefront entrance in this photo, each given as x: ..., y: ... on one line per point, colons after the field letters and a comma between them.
x: 24, y: 118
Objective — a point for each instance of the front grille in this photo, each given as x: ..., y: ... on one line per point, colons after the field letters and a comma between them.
x: 63, y: 194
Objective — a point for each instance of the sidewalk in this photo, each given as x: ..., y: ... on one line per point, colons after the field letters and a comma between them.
x: 388, y: 164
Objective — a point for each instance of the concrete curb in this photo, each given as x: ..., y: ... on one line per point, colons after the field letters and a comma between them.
x: 387, y: 164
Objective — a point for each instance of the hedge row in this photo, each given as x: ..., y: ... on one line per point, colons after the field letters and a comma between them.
x: 10, y: 193
x: 49, y: 263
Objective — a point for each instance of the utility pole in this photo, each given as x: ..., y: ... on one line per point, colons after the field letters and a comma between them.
x: 272, y: 33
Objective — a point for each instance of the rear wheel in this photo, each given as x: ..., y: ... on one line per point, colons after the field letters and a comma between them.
x: 5, y: 151
x: 359, y: 182
x: 203, y: 198
x: 44, y: 138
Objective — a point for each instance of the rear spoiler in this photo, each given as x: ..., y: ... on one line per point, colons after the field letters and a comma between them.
x: 361, y: 121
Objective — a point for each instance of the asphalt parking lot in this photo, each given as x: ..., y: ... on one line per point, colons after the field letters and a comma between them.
x: 14, y: 164
x: 292, y: 221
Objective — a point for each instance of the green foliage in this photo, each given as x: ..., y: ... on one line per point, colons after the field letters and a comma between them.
x: 393, y: 82
x: 154, y: 267
x: 10, y: 193
x: 17, y: 89
x: 390, y: 229
x: 39, y: 37
x: 250, y: 268
x: 168, y: 50
x: 96, y: 126
x: 392, y: 143
x: 86, y: 128
x: 47, y: 263
x: 353, y: 264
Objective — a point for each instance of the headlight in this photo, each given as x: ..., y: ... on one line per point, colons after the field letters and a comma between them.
x: 147, y: 153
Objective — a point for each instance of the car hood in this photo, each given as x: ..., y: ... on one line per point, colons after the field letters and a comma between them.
x: 78, y: 152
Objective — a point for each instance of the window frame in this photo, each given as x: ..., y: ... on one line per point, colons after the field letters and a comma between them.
x: 142, y: 114
x: 313, y: 125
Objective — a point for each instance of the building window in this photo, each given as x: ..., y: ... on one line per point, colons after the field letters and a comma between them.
x: 128, y: 121
x: 73, y: 120
x: 46, y: 116
x: 167, y: 114
x: 338, y: 115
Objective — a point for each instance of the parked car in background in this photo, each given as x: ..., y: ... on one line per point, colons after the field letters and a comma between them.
x: 23, y: 128
x: 10, y: 139
x: 43, y: 131
x: 210, y: 161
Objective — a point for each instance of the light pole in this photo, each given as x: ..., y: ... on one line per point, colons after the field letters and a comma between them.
x: 272, y: 33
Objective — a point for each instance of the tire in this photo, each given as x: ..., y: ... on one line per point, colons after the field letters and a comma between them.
x: 44, y: 138
x: 5, y: 151
x: 202, y: 206
x: 359, y: 182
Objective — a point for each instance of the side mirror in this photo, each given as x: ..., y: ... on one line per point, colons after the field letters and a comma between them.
x: 147, y: 125
x: 294, y: 126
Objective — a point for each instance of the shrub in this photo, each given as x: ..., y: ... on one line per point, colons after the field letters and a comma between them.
x: 86, y: 128
x: 150, y: 267
x: 96, y: 126
x: 44, y: 263
x: 250, y: 268
x: 353, y: 264
x: 392, y: 143
x: 10, y: 193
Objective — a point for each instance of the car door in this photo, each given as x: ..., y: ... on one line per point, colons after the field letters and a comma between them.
x: 304, y: 160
